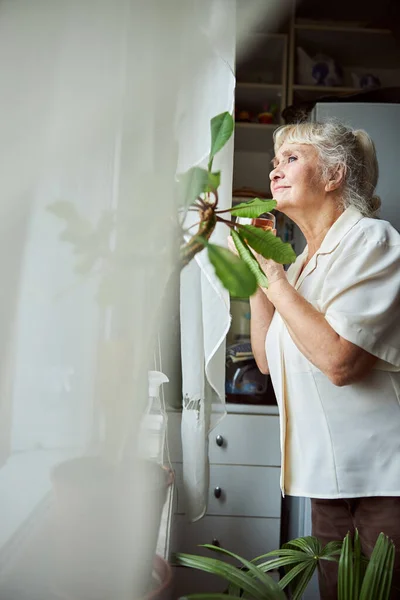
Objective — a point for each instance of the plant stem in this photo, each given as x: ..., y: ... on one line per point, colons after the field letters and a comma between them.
x: 194, y: 225
x: 195, y: 244
x: 224, y: 210
x: 225, y: 222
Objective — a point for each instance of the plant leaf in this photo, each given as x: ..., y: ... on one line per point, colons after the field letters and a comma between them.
x: 233, y: 272
x: 253, y: 209
x: 197, y: 181
x: 208, y: 596
x: 345, y: 572
x: 214, y: 179
x: 63, y: 209
x: 331, y: 551
x: 294, y: 572
x: 384, y: 592
x: 221, y: 130
x: 308, y: 544
x: 267, y: 244
x: 303, y: 582
x: 268, y: 584
x: 247, y: 256
x: 378, y: 576
x: 290, y: 552
x: 284, y: 561
x: 357, y: 566
x: 227, y: 572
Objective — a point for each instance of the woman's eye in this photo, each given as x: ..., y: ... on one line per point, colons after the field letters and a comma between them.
x: 291, y: 158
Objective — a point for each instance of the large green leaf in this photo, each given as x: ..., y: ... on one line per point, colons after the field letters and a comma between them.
x: 282, y: 552
x: 378, y: 576
x: 346, y: 571
x: 283, y: 561
x: 294, y: 572
x: 308, y: 544
x: 234, y: 273
x: 303, y: 581
x: 253, y: 209
x: 268, y: 583
x: 208, y: 596
x: 197, y: 181
x: 331, y: 551
x: 267, y: 244
x: 221, y: 130
x: 228, y: 573
x: 247, y: 256
x: 357, y: 565
x: 78, y: 228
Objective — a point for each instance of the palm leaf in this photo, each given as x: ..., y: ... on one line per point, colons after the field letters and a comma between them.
x: 357, y: 565
x: 303, y: 582
x: 294, y: 572
x: 378, y: 575
x: 284, y: 561
x: 284, y: 551
x: 227, y: 572
x: 331, y: 551
x: 208, y: 596
x: 308, y: 544
x: 346, y: 571
x: 256, y: 572
x: 253, y: 209
x: 388, y: 575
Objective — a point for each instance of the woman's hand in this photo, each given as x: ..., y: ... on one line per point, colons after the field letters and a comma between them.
x: 273, y: 271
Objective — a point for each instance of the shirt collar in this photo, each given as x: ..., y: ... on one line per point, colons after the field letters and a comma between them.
x: 336, y: 233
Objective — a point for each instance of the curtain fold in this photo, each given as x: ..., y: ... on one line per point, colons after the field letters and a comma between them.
x: 205, y: 317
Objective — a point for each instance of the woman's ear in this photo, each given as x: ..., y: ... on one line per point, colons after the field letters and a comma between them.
x: 335, y: 180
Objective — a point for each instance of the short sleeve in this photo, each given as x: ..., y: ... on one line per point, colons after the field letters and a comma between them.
x: 360, y: 298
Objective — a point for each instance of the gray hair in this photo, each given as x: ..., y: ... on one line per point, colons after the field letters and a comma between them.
x: 339, y: 145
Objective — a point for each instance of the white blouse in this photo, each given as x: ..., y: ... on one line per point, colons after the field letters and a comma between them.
x: 343, y: 442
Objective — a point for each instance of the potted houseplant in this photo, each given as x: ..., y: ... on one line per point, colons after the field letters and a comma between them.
x: 107, y: 494
x: 359, y: 578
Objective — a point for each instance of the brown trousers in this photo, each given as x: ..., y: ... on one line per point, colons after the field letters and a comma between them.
x: 332, y: 519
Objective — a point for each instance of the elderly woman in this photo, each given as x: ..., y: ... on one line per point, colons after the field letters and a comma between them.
x: 328, y: 332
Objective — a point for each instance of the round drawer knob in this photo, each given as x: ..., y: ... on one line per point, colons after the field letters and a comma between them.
x: 220, y: 440
x: 216, y: 542
x: 217, y: 492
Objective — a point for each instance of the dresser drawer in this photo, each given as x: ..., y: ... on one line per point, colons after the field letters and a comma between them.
x: 237, y: 440
x: 245, y: 536
x: 246, y: 440
x: 238, y: 491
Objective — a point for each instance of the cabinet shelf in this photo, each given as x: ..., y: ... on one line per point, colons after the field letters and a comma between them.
x: 326, y: 89
x: 258, y: 86
x: 341, y: 28
x: 267, y: 127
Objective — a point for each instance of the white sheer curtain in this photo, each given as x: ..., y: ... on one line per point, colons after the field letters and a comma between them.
x: 96, y: 98
x: 91, y: 114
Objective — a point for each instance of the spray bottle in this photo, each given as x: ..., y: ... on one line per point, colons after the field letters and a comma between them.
x: 154, y: 422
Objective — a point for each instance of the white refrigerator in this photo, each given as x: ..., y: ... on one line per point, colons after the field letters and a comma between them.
x: 382, y: 123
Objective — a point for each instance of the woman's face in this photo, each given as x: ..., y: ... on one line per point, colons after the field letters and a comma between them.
x: 296, y: 183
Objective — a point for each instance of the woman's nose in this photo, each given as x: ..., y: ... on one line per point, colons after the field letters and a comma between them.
x: 275, y: 174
